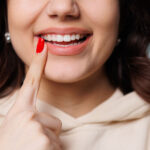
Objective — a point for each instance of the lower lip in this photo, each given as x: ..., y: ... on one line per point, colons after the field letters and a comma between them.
x: 68, y: 51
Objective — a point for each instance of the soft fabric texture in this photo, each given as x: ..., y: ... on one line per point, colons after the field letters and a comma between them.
x: 122, y: 122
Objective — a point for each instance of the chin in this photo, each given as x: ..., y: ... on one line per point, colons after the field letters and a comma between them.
x: 66, y: 70
x: 63, y: 76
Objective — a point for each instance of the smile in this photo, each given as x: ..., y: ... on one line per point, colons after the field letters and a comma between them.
x: 67, y: 41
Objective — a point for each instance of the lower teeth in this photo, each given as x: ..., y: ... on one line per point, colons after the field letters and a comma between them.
x: 67, y: 45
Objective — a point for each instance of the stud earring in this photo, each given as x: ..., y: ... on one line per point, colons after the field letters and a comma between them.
x: 118, y: 41
x: 7, y: 37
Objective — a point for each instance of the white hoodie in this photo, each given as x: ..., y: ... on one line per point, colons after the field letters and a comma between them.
x: 122, y: 122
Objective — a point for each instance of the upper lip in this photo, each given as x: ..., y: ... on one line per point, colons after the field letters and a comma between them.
x: 63, y: 31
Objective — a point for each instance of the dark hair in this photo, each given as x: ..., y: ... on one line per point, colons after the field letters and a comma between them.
x: 127, y: 68
x: 11, y: 67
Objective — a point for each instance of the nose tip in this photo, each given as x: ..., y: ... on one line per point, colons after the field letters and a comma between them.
x: 63, y: 9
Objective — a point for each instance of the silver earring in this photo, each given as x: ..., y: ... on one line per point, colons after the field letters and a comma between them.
x: 118, y: 41
x: 7, y: 37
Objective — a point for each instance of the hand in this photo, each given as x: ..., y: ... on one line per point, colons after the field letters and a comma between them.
x: 24, y: 128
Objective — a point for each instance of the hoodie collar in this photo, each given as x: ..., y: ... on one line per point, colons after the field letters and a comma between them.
x: 118, y: 108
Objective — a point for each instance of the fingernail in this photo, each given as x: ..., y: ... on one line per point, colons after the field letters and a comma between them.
x: 40, y: 45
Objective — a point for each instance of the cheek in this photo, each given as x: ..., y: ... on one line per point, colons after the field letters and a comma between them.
x: 103, y: 16
x: 21, y: 17
x: 22, y: 13
x: 101, y: 13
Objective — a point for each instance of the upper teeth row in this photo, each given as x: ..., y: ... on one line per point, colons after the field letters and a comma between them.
x: 62, y: 38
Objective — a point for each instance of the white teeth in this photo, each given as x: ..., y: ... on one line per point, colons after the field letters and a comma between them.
x: 77, y: 37
x: 49, y: 37
x: 54, y: 38
x: 73, y: 37
x: 62, y: 38
x: 67, y: 38
x: 46, y: 37
x: 59, y: 38
x: 66, y: 45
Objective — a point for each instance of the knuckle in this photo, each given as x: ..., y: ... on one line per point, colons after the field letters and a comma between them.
x: 25, y: 116
x: 45, y: 141
x: 59, y: 123
x: 29, y: 115
x: 56, y: 146
x: 36, y: 126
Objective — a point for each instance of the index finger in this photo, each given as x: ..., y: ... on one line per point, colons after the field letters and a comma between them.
x: 28, y: 92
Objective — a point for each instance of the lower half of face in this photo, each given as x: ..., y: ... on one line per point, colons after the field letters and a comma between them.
x: 99, y: 17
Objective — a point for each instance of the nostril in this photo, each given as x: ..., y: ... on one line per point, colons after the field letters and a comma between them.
x: 53, y: 16
x: 71, y: 17
x: 64, y: 17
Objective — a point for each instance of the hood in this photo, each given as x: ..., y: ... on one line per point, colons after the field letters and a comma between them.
x: 117, y: 108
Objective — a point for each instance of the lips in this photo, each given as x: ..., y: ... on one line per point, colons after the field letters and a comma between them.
x: 64, y: 31
x: 66, y: 47
x: 69, y: 50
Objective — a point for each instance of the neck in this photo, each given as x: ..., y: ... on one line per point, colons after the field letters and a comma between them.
x: 76, y: 98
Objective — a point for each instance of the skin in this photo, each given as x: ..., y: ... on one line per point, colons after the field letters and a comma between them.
x: 81, y: 79
x: 77, y: 81
x: 24, y: 127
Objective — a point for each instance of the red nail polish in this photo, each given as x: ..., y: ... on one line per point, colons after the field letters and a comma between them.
x: 40, y: 45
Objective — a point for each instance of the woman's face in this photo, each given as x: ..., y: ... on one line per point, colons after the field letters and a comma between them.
x: 99, y: 18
